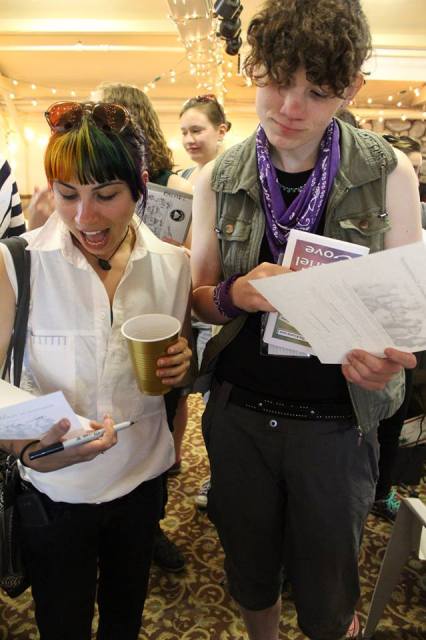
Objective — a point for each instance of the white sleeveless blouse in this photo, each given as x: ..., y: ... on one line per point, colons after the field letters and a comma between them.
x: 72, y: 346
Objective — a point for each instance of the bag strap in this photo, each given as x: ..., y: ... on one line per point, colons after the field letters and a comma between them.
x: 22, y: 263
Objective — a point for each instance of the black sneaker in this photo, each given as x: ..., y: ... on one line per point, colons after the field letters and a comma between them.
x: 166, y: 555
x: 387, y: 508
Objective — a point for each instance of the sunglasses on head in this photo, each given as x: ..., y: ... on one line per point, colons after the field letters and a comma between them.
x: 109, y: 117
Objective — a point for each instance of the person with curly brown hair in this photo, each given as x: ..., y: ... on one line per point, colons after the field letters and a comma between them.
x: 292, y: 443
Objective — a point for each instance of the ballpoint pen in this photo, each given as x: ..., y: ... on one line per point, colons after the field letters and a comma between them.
x: 75, y: 442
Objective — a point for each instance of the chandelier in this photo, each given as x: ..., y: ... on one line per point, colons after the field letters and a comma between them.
x: 202, y: 28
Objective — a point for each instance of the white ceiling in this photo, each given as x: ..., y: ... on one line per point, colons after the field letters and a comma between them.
x: 38, y: 41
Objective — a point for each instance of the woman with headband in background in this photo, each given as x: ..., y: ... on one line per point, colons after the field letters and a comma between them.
x: 203, y: 125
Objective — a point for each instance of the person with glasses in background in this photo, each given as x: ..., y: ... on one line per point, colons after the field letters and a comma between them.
x: 12, y: 222
x: 167, y: 554
x: 292, y: 442
x: 413, y: 150
x: 203, y: 127
x: 95, y: 265
x: 386, y: 503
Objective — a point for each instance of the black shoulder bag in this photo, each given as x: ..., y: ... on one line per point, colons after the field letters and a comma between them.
x: 13, y: 576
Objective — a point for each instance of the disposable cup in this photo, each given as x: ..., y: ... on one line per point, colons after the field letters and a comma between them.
x: 148, y: 338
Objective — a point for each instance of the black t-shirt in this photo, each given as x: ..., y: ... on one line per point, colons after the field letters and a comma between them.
x: 288, y: 378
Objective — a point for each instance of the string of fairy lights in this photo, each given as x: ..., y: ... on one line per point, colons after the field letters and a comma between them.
x: 23, y: 94
x: 400, y: 100
x: 28, y: 92
x: 208, y: 31
x: 19, y: 90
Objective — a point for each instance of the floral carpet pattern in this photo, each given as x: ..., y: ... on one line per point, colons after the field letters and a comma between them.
x: 195, y: 605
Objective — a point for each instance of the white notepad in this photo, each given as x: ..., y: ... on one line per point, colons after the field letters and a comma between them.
x: 23, y: 415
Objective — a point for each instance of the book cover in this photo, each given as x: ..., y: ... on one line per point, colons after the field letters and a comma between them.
x: 304, y: 250
x: 168, y: 212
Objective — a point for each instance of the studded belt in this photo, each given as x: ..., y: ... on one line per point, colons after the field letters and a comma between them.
x: 296, y: 410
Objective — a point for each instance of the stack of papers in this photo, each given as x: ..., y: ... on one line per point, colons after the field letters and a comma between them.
x: 371, y: 303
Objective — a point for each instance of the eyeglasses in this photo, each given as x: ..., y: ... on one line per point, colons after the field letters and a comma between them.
x: 64, y: 116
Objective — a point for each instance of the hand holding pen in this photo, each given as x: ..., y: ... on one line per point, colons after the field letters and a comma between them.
x: 71, y: 455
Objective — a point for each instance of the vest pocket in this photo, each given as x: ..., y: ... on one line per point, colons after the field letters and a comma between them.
x: 233, y: 229
x: 365, y: 225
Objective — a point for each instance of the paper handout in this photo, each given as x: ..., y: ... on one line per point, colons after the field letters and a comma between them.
x: 25, y: 416
x: 370, y: 303
x: 304, y: 250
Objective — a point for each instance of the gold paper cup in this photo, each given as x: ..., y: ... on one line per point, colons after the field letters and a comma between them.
x: 149, y: 337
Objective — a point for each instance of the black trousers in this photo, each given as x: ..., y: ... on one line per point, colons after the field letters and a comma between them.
x: 294, y: 494
x: 88, y: 552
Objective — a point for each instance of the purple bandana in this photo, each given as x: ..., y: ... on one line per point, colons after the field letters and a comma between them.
x: 306, y: 209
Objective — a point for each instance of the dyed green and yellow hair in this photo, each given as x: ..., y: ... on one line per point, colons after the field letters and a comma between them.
x: 88, y: 154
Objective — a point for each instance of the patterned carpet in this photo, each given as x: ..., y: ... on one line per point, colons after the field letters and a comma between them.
x: 196, y: 606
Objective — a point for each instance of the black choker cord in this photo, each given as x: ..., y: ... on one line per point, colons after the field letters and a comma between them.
x: 104, y: 263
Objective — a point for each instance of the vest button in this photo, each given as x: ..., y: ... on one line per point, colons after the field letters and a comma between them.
x: 273, y: 423
x: 229, y: 228
x: 364, y: 224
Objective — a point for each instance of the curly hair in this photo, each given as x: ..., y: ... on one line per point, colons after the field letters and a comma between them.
x: 210, y: 106
x: 329, y: 38
x: 143, y: 114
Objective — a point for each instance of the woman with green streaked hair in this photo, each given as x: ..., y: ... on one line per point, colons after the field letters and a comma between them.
x: 93, y: 266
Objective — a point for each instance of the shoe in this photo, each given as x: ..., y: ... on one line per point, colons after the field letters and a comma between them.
x: 387, y: 508
x: 201, y: 499
x: 166, y: 554
x: 175, y: 469
x: 354, y: 631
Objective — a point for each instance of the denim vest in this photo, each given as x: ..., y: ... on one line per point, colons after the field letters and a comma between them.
x: 355, y: 212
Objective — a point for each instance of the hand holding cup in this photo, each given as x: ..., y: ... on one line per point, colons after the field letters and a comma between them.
x: 173, y: 367
x: 160, y: 358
